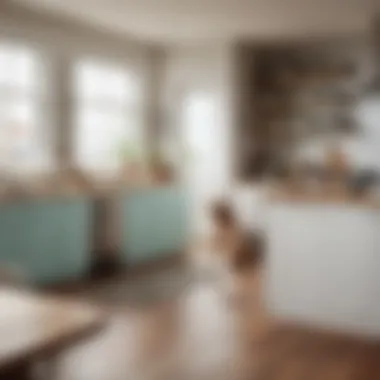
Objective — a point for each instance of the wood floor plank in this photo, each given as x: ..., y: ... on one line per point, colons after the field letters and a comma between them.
x: 201, y: 334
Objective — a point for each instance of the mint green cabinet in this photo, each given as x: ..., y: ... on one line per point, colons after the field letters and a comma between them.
x: 153, y: 223
x: 47, y: 240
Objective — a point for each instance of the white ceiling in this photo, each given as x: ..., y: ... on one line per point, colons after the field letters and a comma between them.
x: 191, y: 20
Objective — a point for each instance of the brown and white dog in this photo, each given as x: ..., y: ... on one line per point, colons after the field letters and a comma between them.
x: 228, y: 249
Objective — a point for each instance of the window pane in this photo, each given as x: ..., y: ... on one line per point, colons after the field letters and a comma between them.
x: 19, y: 134
x: 93, y: 81
x: 23, y: 146
x: 97, y: 137
x: 18, y: 67
x: 105, y: 117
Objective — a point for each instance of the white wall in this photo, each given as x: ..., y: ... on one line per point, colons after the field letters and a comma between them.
x: 204, y: 70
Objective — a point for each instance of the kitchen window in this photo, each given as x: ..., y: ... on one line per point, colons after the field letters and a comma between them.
x: 25, y: 144
x: 107, y: 116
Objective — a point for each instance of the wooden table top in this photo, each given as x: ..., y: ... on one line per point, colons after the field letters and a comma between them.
x: 326, y: 197
x: 32, y: 325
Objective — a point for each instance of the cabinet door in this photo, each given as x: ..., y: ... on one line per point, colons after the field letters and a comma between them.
x: 350, y: 236
x: 153, y: 224
x: 46, y: 241
x: 63, y: 244
x: 295, y: 239
x: 372, y: 297
x: 321, y: 265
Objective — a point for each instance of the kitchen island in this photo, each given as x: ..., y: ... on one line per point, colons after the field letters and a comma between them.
x: 323, y: 262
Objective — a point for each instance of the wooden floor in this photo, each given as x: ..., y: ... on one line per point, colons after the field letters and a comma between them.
x: 205, y: 335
